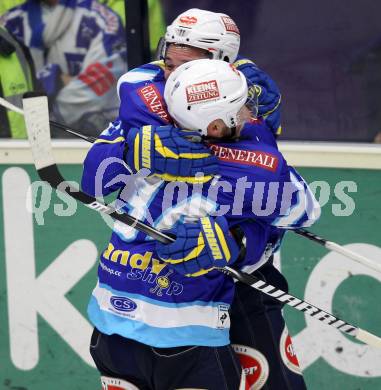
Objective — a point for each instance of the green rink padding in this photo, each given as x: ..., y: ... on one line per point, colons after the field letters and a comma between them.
x: 80, y: 234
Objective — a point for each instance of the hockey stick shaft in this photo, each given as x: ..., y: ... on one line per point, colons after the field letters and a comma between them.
x: 37, y: 123
x: 60, y: 126
x: 305, y: 307
x: 339, y: 249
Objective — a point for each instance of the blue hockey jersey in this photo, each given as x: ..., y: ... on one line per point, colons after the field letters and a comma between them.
x: 140, y: 297
x: 137, y: 295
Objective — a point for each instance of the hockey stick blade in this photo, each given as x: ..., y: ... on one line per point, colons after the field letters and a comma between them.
x: 37, y: 123
x: 36, y: 115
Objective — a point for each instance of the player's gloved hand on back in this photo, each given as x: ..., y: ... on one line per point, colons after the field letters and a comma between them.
x: 199, y: 247
x: 169, y: 153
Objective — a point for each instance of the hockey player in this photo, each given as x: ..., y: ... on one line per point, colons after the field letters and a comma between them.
x: 140, y: 301
x: 140, y: 92
x: 255, y: 318
x: 79, y: 53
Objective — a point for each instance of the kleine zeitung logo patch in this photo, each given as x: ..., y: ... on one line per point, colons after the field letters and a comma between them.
x: 207, y: 90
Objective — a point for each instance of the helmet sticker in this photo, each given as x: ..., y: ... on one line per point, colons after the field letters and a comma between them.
x: 230, y: 25
x: 187, y: 20
x: 207, y: 90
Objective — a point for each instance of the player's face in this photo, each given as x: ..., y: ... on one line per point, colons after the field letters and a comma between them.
x: 177, y: 55
x: 218, y: 128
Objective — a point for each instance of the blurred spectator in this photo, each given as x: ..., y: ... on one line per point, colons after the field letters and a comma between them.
x: 79, y: 53
x: 16, y: 78
x: 157, y: 24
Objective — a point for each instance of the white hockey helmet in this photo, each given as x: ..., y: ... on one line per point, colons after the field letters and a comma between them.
x: 215, y: 32
x: 201, y: 91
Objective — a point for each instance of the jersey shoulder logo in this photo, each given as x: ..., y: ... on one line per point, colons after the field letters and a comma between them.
x: 154, y: 102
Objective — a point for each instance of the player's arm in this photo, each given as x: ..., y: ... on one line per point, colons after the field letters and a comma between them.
x: 256, y: 231
x: 270, y: 191
x: 269, y: 97
x: 166, y: 152
x: 301, y: 209
x: 295, y: 205
x: 105, y: 161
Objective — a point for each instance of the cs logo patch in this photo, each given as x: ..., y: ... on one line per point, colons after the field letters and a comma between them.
x: 123, y: 303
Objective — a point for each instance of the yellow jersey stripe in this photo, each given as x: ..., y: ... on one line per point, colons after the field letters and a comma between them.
x: 106, y: 141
